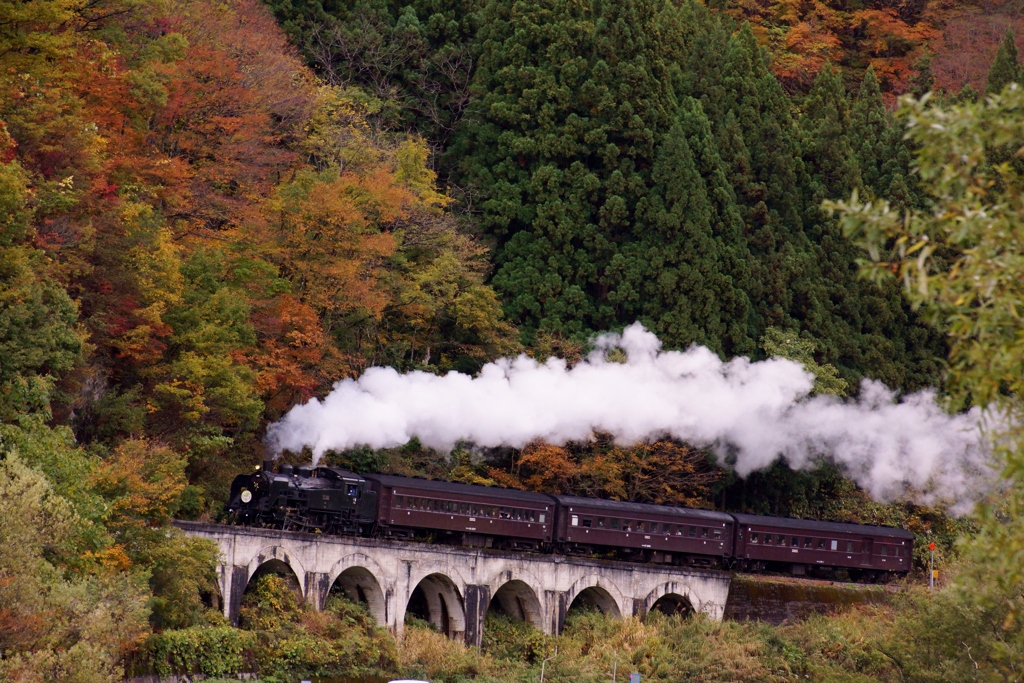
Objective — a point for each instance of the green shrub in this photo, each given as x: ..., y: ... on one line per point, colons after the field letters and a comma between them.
x: 220, y: 651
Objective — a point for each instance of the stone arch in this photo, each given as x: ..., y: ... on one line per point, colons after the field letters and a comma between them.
x: 436, y: 598
x: 670, y: 598
x: 275, y: 559
x: 356, y: 576
x: 595, y: 592
x: 518, y: 600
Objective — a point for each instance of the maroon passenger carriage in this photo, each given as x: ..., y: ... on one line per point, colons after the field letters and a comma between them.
x: 805, y: 546
x: 463, y: 514
x: 640, y: 531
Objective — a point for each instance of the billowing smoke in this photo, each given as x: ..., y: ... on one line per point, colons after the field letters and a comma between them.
x: 751, y: 413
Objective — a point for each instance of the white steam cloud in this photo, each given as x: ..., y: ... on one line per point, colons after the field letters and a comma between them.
x: 750, y: 412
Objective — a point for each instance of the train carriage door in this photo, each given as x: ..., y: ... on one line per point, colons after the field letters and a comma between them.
x: 866, y: 550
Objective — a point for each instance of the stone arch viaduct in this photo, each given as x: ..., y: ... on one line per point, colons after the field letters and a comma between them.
x: 453, y: 587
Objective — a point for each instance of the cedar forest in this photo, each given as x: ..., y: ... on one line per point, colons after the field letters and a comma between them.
x: 212, y: 210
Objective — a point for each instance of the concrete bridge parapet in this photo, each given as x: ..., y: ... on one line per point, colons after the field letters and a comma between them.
x: 453, y: 587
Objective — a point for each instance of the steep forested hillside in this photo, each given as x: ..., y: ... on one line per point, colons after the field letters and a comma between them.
x: 195, y: 235
x: 211, y: 210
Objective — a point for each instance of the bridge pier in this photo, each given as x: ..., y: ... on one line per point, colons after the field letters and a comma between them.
x: 453, y: 587
x: 478, y: 599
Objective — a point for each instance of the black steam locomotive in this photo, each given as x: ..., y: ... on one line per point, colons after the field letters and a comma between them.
x: 335, y: 501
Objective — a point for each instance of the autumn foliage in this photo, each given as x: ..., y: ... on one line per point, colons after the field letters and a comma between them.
x: 195, y: 236
x: 663, y: 472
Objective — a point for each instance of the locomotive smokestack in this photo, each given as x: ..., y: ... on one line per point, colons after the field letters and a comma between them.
x: 268, y: 466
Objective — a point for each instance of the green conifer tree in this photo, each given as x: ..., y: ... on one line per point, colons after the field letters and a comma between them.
x: 528, y: 150
x: 923, y: 79
x: 880, y: 151
x: 677, y: 272
x: 828, y: 152
x: 1005, y: 67
x: 571, y: 103
x: 869, y: 126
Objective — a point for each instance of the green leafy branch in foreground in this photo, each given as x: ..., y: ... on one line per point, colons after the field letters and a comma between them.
x: 962, y: 260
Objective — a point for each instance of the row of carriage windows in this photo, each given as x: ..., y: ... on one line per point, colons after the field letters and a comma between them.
x: 645, y: 527
x: 629, y: 525
x: 819, y: 543
x: 469, y: 509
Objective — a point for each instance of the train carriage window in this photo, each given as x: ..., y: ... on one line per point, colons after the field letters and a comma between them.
x: 767, y: 538
x: 541, y: 518
x: 464, y: 508
x: 615, y: 523
x: 835, y: 545
x: 531, y: 515
x: 575, y: 520
x: 795, y: 542
x: 600, y: 522
x: 703, y: 532
x: 627, y: 525
x: 897, y: 551
x: 504, y: 513
x: 821, y: 544
x: 675, y: 530
x: 885, y: 550
x: 753, y: 537
x: 782, y: 539
x: 717, y: 533
x: 588, y: 522
x: 399, y: 501
x: 808, y: 542
x: 693, y: 531
x: 849, y: 546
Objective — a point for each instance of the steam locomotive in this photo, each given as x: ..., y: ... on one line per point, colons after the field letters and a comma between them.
x: 332, y: 500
